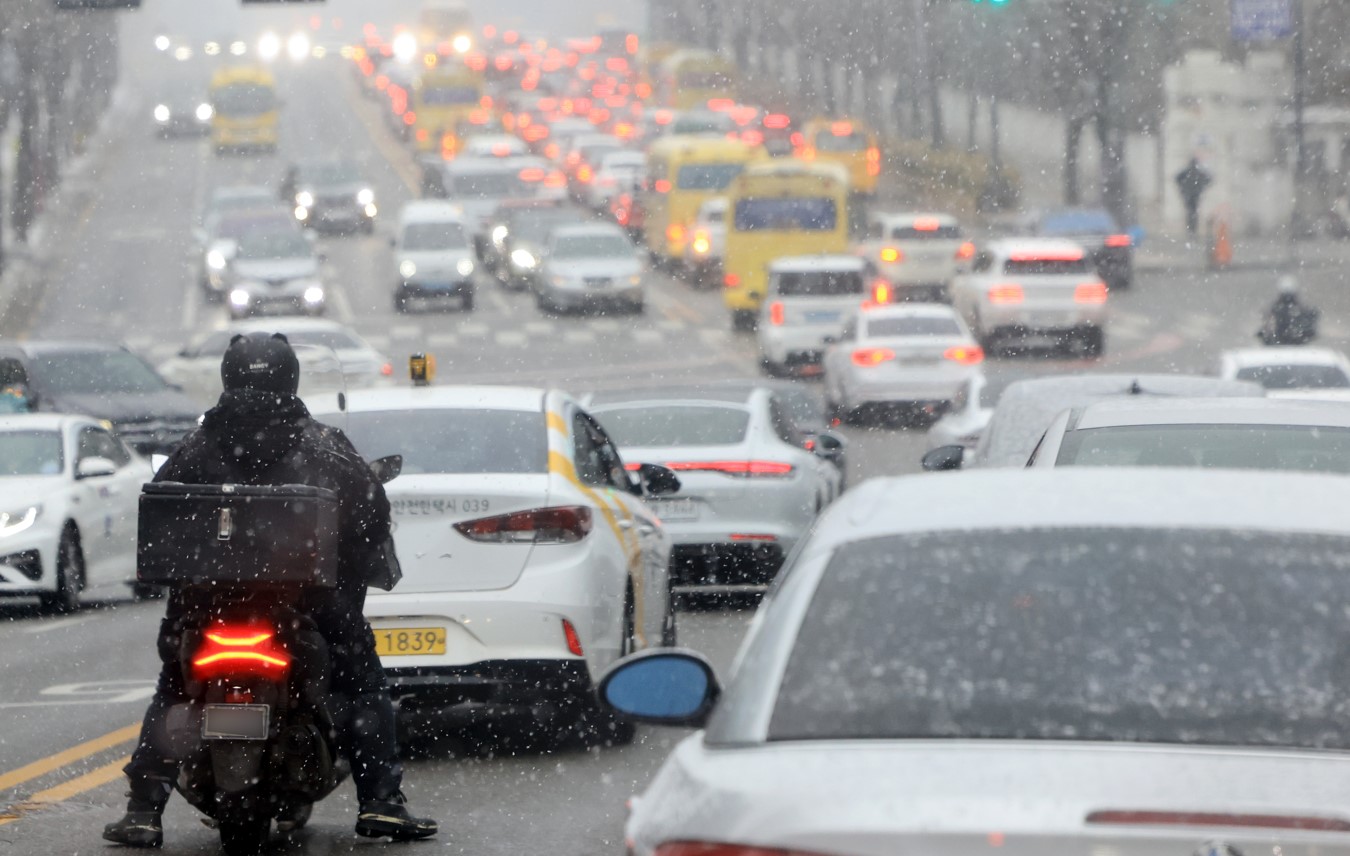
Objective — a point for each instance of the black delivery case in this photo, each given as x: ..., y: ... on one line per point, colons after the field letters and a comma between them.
x: 191, y: 534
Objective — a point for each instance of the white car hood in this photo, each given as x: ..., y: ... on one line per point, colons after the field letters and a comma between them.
x: 19, y: 492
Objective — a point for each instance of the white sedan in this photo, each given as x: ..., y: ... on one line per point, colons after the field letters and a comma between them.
x: 530, y: 562
x: 1290, y: 372
x: 1064, y: 661
x: 68, y: 509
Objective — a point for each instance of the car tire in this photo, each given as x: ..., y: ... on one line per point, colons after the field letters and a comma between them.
x: 65, y: 599
x: 1093, y: 341
x: 670, y: 633
x: 743, y: 321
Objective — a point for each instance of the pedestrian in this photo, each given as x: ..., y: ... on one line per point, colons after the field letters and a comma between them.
x: 1191, y: 182
x: 1289, y: 321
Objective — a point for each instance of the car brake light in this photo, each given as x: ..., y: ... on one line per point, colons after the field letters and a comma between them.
x: 892, y: 254
x: 776, y: 313
x: 776, y: 121
x: 732, y: 280
x: 562, y: 524
x: 742, y: 469
x: 1118, y: 241
x: 500, y: 150
x: 867, y: 357
x: 703, y: 848
x: 555, y: 179
x: 881, y: 292
x: 796, y: 139
x: 842, y: 129
x: 387, y: 369
x: 966, y: 355
x: 1090, y: 292
x: 531, y: 173
x: 965, y: 251
x: 675, y: 233
x: 234, y: 650
x: 584, y: 174
x: 662, y: 185
x: 926, y: 224
x: 1006, y: 293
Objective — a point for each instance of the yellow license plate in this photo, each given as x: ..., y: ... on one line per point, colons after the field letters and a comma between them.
x: 409, y: 641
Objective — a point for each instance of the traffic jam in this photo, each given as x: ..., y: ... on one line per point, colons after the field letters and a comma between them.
x: 741, y: 483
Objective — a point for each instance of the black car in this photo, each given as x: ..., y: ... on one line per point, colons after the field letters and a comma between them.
x: 1111, y: 249
x: 109, y: 383
x: 331, y: 196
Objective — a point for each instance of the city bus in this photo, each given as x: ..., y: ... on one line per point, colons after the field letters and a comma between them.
x: 849, y: 143
x: 246, y: 110
x: 444, y: 97
x: 691, y: 79
x: 779, y: 208
x: 682, y: 174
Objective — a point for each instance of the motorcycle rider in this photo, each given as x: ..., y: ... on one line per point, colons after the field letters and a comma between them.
x: 1288, y: 321
x: 261, y: 433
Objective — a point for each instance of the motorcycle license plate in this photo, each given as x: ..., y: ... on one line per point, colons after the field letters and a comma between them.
x: 409, y: 641
x: 235, y: 722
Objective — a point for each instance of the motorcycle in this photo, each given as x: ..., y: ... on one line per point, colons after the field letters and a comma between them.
x: 257, y: 740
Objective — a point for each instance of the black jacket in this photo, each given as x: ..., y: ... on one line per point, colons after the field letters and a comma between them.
x: 265, y: 438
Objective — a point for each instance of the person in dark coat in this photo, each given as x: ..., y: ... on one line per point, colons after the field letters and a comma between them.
x: 1191, y: 183
x: 1289, y: 321
x: 261, y: 433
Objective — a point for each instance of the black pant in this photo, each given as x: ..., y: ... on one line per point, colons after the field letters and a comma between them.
x: 369, y: 737
x: 1192, y: 216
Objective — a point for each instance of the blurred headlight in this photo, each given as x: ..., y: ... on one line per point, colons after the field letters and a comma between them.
x: 371, y: 210
x: 269, y: 46
x: 407, y: 269
x: 301, y: 213
x: 162, y: 43
x: 304, y: 199
x: 14, y: 522
x: 405, y: 47
x: 499, y: 233
x: 465, y: 267
x: 205, y: 112
x: 635, y: 279
x: 461, y: 43
x: 297, y: 46
x: 314, y: 294
x: 239, y: 297
x: 365, y: 196
x: 523, y: 259
x: 216, y: 260
x: 238, y: 48
x: 161, y: 113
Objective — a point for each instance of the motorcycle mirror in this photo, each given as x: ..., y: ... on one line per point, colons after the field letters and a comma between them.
x: 386, y: 469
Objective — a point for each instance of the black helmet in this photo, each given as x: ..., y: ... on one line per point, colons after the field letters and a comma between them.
x: 260, y: 361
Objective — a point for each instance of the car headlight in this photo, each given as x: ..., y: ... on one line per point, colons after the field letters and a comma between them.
x: 216, y: 260
x: 304, y: 199
x: 499, y: 233
x: 297, y: 46
x: 205, y: 112
x: 371, y: 210
x: 301, y: 212
x: 314, y: 294
x: 161, y: 113
x: 365, y: 196
x: 523, y: 259
x: 465, y: 267
x: 239, y: 297
x: 635, y: 279
x: 16, y: 521
x: 407, y: 269
x: 269, y: 47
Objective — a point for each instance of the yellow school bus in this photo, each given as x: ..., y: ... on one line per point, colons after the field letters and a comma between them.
x: 246, y: 110
x: 683, y: 173
x: 444, y: 97
x: 848, y: 143
x: 775, y: 209
x: 689, y: 79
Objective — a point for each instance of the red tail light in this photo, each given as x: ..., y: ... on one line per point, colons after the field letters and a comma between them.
x: 743, y: 469
x: 926, y: 224
x: 732, y: 280
x: 872, y: 356
x: 776, y: 313
x: 564, y: 524
x: 555, y: 179
x: 720, y: 105
x: 584, y: 174
x: 1090, y: 292
x: 1006, y: 293
x: 892, y: 254
x: 1118, y: 241
x: 701, y: 848
x: 531, y: 173
x: 573, y: 638
x: 965, y: 355
x: 965, y: 251
x: 842, y: 129
x: 237, y: 650
x: 387, y: 369
x: 662, y: 185
x: 777, y: 121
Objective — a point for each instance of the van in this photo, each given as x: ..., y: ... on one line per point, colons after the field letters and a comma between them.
x: 433, y: 255
x: 682, y: 173
x: 808, y: 299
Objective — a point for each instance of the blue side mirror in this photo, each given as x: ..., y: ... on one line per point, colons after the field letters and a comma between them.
x: 663, y: 686
x: 1137, y: 234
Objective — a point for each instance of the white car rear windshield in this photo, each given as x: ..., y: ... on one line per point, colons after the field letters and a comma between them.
x: 818, y: 284
x: 453, y: 440
x: 1047, y: 266
x: 1255, y: 447
x: 1149, y: 636
x: 1296, y: 377
x: 878, y: 327
x: 675, y: 425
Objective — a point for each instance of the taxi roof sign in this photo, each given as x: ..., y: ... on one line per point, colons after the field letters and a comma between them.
x: 422, y: 369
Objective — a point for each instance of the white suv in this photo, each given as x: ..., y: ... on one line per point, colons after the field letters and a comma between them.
x: 809, y: 299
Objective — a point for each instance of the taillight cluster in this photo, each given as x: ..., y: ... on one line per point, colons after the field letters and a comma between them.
x: 966, y: 355
x: 742, y: 469
x: 1007, y: 292
x: 1090, y: 292
x: 562, y: 524
x: 233, y: 650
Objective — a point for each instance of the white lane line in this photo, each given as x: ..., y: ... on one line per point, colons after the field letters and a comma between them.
x: 48, y: 626
x: 442, y: 340
x: 473, y: 329
x: 405, y: 331
x: 337, y: 296
x: 715, y: 334
x: 668, y: 324
x: 578, y: 336
x: 648, y: 336
x: 191, y: 301
x: 513, y: 338
x: 605, y: 325
x: 541, y: 328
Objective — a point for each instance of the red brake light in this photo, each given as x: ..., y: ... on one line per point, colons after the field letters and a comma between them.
x: 555, y: 179
x: 796, y: 139
x: 732, y: 280
x: 573, y: 638
x: 965, y: 355
x: 776, y: 313
x: 892, y: 254
x: 1090, y: 292
x: 500, y: 150
x: 662, y: 185
x: 742, y: 469
x: 1006, y: 293
x: 965, y: 251
x: 720, y: 105
x: 842, y: 129
x: 531, y: 173
x: 675, y: 233
x: 1067, y: 256
x: 236, y: 650
x: 866, y: 357
x: 584, y: 174
x: 1118, y: 241
x: 564, y: 524
x: 926, y: 224
x: 387, y: 369
x: 776, y: 121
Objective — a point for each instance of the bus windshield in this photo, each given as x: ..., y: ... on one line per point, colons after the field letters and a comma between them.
x: 243, y: 99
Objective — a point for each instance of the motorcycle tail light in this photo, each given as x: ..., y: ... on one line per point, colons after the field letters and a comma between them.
x: 237, y: 650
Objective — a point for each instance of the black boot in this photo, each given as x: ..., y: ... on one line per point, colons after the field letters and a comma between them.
x: 139, y: 827
x: 390, y: 818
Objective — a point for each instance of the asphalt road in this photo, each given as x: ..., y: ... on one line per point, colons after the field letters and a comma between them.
x: 73, y: 688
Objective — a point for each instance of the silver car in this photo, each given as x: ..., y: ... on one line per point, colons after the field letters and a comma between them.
x: 591, y: 265
x: 274, y: 271
x: 1144, y: 662
x: 749, y: 487
x: 479, y: 185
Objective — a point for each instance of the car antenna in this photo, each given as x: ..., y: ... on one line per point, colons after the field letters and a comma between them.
x: 1135, y: 388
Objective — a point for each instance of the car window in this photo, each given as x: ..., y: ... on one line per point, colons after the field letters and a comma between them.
x: 1047, y: 266
x: 1266, y: 447
x: 591, y: 246
x: 810, y: 214
x: 707, y: 176
x: 433, y: 236
x: 31, y: 453
x: 926, y: 232
x: 81, y: 372
x: 913, y: 326
x: 453, y: 440
x: 597, y: 459
x: 675, y: 425
x: 1147, y: 636
x: 1295, y: 376
x: 983, y: 262
x: 819, y: 283
x: 98, y: 443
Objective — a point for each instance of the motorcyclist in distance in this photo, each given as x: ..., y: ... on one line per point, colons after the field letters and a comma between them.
x: 1289, y: 321
x: 261, y: 433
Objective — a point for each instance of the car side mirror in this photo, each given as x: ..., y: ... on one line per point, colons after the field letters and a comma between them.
x: 657, y: 480
x: 387, y: 469
x: 944, y: 458
x: 829, y: 446
x: 157, y: 461
x: 94, y: 467
x: 662, y: 686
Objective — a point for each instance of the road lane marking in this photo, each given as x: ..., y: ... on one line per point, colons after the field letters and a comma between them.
x: 43, y: 766
x: 338, y: 296
x: 95, y: 778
